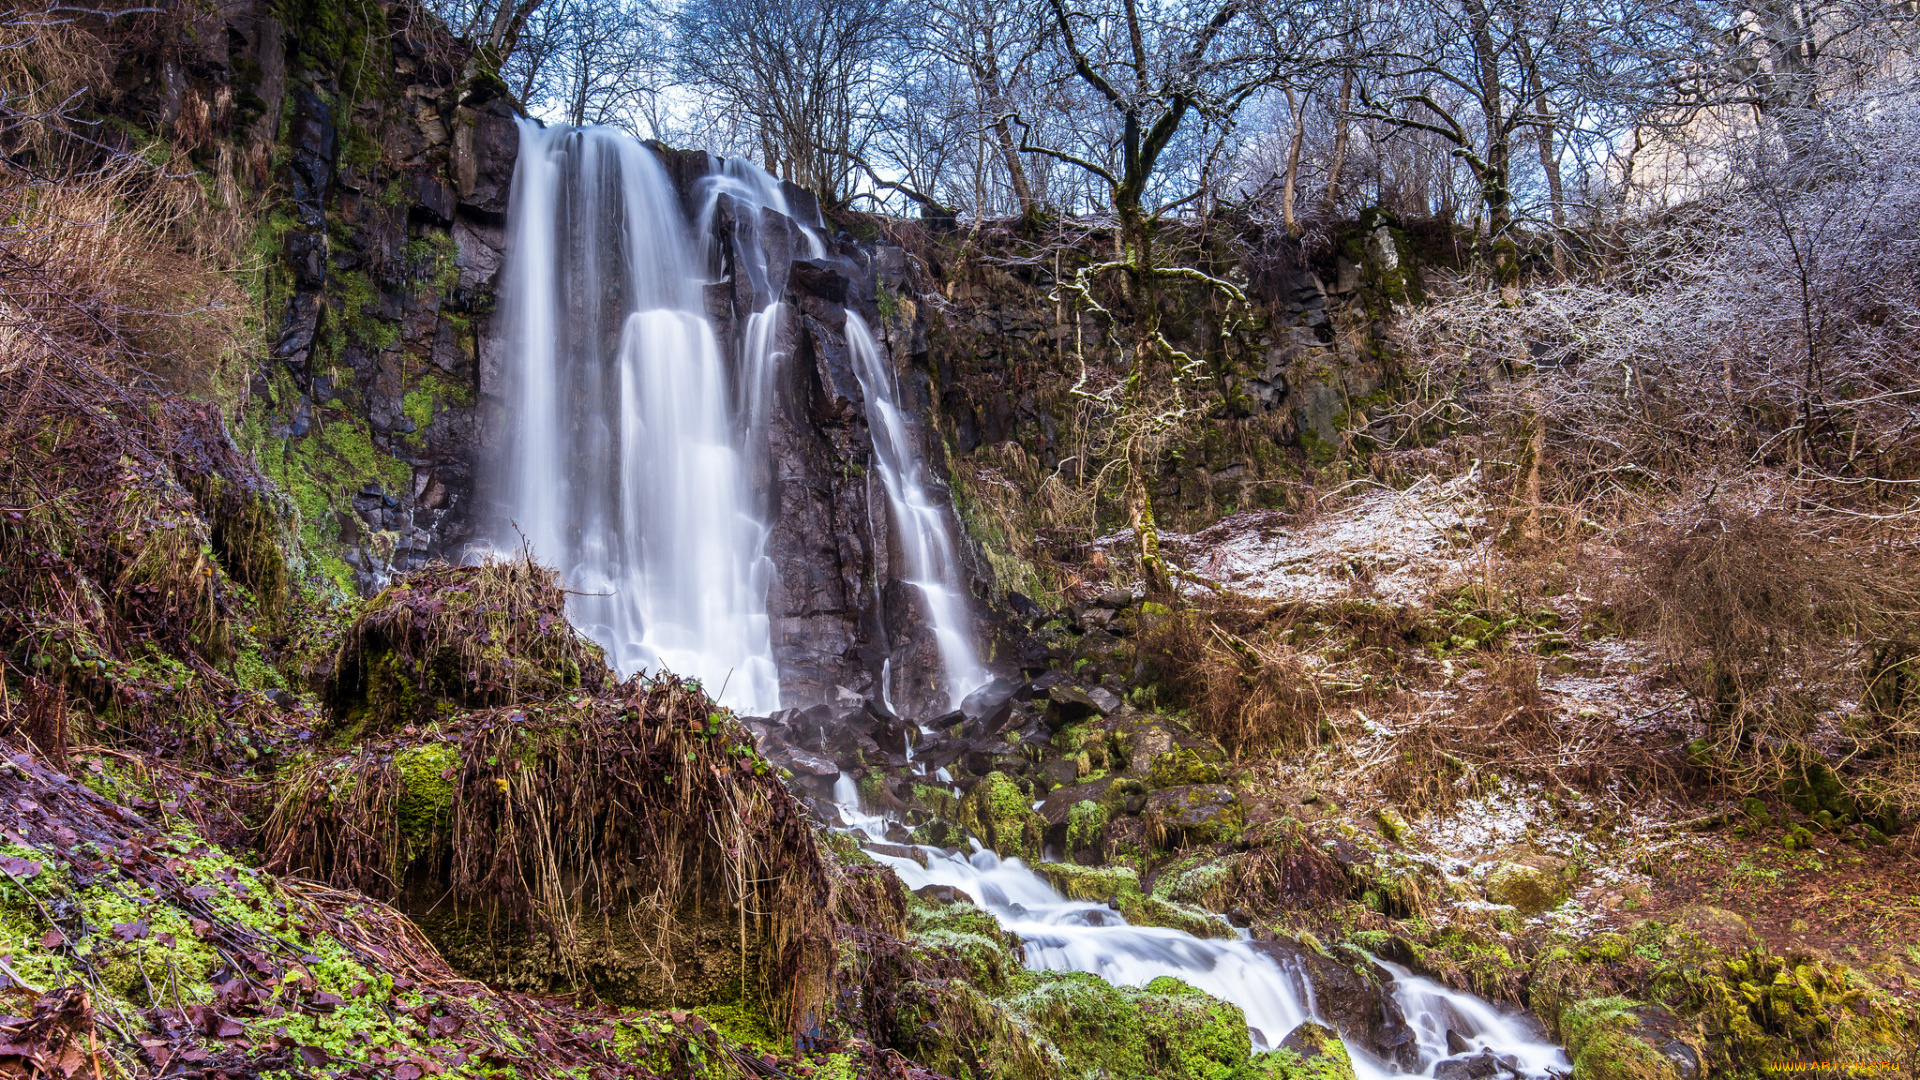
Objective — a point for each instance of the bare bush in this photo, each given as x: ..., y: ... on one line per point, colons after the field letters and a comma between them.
x: 1248, y: 695
x: 1729, y: 400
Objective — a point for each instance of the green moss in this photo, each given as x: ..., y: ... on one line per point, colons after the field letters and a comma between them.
x: 429, y: 775
x: 1322, y: 1056
x: 1601, y: 1040
x: 1528, y: 888
x: 1202, y: 884
x: 1153, y: 911
x: 743, y: 1024
x: 418, y: 407
x: 1086, y: 825
x: 1392, y: 825
x: 1168, y: 1029
x: 998, y: 813
x: 1092, y: 883
x: 1181, y: 767
x: 989, y: 955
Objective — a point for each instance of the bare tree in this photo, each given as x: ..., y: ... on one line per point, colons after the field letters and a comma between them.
x: 587, y: 61
x: 1167, y: 82
x: 803, y: 74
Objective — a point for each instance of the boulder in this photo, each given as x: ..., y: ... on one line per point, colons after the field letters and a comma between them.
x: 1194, y: 814
x: 1475, y: 1067
x: 1309, y: 1052
x: 1180, y: 767
x: 1528, y: 887
x: 1069, y: 705
x: 898, y: 851
x: 1612, y: 1037
x: 942, y: 894
x: 997, y: 812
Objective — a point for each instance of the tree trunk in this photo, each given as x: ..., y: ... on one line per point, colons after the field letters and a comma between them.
x: 1339, y: 142
x: 1550, y: 165
x: 1136, y: 238
x: 1293, y: 163
x: 1016, y: 173
x: 988, y: 76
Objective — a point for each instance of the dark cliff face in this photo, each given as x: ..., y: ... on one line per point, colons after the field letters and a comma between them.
x: 379, y: 158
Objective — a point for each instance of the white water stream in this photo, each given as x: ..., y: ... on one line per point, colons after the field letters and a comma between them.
x: 1072, y: 935
x: 925, y: 544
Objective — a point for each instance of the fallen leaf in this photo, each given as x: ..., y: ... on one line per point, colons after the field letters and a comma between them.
x: 18, y: 867
x: 52, y: 939
x: 131, y: 931
x: 408, y: 1071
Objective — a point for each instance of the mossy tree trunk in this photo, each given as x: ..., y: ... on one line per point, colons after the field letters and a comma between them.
x: 1153, y: 79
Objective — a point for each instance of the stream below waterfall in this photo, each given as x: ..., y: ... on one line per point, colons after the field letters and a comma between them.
x: 1073, y: 935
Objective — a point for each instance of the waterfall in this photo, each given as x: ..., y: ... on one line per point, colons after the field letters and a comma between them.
x: 626, y: 461
x: 926, y: 546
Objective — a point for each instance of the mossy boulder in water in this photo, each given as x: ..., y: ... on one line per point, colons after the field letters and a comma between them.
x: 1607, y: 1040
x: 1166, y: 1030
x: 1101, y: 884
x: 1309, y: 1052
x: 1000, y: 816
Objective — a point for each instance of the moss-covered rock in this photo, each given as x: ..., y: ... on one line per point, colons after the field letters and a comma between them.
x: 1181, y: 767
x: 990, y: 956
x: 1532, y: 889
x: 998, y: 813
x: 1309, y: 1052
x: 1606, y: 1041
x: 1153, y: 911
x: 1194, y: 814
x: 1086, y: 828
x: 1167, y: 1029
x: 1102, y: 884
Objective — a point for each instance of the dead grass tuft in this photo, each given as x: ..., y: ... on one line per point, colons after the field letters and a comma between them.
x: 635, y: 833
x: 449, y: 638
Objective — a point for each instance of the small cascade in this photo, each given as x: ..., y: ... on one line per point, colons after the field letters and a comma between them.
x: 926, y: 546
x: 846, y: 797
x: 626, y: 460
x: 1071, y: 935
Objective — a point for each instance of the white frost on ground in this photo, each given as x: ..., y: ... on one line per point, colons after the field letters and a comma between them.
x: 1405, y: 543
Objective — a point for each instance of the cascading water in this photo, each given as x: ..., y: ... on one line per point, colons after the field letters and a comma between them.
x: 626, y: 463
x: 1069, y: 935
x: 926, y: 545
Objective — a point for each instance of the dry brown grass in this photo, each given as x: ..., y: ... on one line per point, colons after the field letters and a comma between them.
x: 487, y: 634
x: 633, y: 819
x: 1772, y: 619
x: 1252, y: 693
